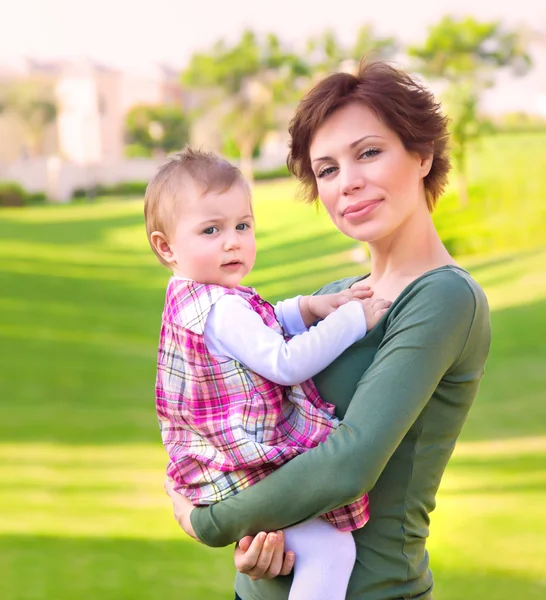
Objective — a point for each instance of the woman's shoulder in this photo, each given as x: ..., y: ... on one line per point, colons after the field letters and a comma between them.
x: 446, y: 283
x: 447, y: 296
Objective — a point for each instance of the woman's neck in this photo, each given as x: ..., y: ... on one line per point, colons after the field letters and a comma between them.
x: 410, y: 251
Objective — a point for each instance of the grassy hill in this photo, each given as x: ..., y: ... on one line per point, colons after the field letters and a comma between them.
x: 82, y: 511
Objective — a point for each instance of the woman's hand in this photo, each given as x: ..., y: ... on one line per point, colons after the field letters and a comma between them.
x: 182, y: 508
x: 262, y: 556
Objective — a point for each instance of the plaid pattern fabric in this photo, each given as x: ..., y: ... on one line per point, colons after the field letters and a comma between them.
x: 224, y: 426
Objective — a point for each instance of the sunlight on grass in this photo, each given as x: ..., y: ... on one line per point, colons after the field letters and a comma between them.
x: 82, y: 509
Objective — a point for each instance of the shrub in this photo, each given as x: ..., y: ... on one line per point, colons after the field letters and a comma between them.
x: 277, y: 173
x: 35, y: 198
x: 12, y: 194
x: 126, y: 188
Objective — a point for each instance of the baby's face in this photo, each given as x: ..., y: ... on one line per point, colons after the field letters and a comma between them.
x: 213, y: 241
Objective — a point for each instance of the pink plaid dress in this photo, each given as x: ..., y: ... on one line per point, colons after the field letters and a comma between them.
x: 224, y: 426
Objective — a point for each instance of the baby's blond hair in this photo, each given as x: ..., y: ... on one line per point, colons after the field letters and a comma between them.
x: 166, y: 189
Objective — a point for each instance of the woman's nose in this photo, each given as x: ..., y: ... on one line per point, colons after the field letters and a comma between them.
x: 351, y: 180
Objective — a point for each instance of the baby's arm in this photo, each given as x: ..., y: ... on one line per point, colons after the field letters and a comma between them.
x: 298, y: 314
x: 234, y: 330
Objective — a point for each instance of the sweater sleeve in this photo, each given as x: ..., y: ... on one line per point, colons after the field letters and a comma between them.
x: 426, y: 335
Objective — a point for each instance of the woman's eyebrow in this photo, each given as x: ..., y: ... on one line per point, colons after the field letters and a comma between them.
x: 351, y: 145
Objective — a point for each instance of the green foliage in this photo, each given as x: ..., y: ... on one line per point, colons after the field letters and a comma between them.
x: 230, y: 67
x: 326, y: 53
x: 231, y: 151
x: 372, y: 46
x: 246, y: 83
x: 12, y: 194
x: 462, y: 49
x: 35, y: 198
x: 277, y: 173
x: 150, y: 130
x: 465, y: 54
x: 126, y: 188
x: 519, y: 122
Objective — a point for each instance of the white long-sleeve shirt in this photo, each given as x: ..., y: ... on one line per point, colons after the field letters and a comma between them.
x: 234, y: 330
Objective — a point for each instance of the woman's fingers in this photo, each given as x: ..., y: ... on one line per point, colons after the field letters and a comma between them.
x: 288, y: 563
x: 265, y: 559
x: 263, y: 556
x: 277, y: 559
x: 247, y: 559
x: 245, y: 542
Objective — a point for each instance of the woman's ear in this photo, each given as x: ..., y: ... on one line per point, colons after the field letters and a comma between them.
x: 426, y: 163
x: 161, y: 246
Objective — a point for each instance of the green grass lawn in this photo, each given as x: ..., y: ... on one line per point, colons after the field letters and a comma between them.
x: 82, y: 511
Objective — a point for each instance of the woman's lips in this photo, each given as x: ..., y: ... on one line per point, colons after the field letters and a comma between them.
x: 357, y: 211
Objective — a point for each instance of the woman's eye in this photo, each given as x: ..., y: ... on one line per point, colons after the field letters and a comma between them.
x: 242, y: 226
x: 370, y: 153
x: 210, y: 230
x: 325, y: 171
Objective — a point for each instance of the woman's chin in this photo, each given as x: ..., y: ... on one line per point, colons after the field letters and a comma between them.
x: 363, y: 232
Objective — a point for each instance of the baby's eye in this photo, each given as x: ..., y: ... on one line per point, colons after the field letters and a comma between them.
x: 242, y: 226
x: 210, y: 230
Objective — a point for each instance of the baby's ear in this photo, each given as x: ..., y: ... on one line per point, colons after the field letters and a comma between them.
x: 161, y: 246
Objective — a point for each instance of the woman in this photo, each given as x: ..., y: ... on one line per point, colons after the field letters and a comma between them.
x: 373, y: 148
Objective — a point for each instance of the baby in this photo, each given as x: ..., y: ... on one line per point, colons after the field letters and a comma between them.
x: 233, y: 391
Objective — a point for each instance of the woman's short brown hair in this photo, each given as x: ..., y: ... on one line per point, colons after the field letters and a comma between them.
x: 396, y: 98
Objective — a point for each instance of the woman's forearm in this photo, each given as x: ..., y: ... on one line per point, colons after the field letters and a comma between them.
x: 416, y: 353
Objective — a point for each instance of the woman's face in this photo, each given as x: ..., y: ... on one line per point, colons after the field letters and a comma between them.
x: 368, y: 182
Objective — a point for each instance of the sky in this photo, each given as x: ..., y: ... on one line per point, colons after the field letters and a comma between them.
x: 136, y: 34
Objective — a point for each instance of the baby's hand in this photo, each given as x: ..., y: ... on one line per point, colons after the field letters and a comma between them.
x: 374, y: 309
x: 319, y: 307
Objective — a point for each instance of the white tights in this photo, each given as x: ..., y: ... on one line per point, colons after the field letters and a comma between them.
x: 325, y: 558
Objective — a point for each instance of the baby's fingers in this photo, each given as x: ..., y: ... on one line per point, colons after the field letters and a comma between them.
x: 381, y: 305
x: 361, y: 292
x: 360, y: 285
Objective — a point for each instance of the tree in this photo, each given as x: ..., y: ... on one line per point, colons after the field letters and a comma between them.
x: 327, y: 54
x: 246, y: 83
x: 35, y: 108
x: 152, y: 130
x: 369, y: 44
x: 465, y: 54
